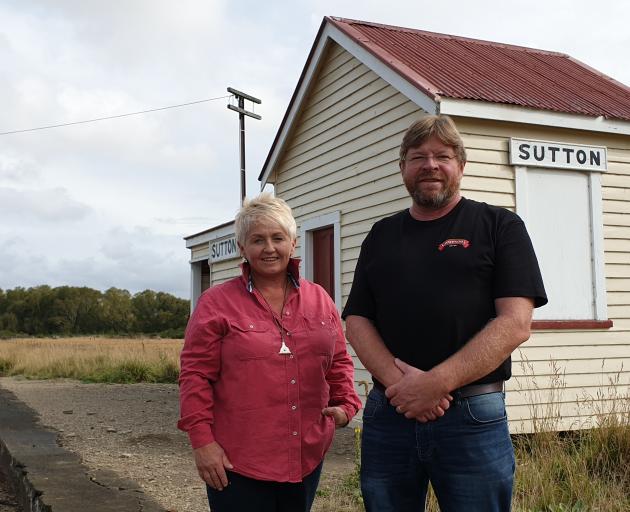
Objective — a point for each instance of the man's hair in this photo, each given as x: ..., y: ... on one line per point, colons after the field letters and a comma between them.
x: 440, y: 126
x: 264, y: 208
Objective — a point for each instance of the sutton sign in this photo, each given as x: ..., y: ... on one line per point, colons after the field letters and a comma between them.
x: 225, y: 249
x: 538, y: 153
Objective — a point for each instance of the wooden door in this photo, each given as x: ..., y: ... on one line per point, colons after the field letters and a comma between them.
x: 324, y: 259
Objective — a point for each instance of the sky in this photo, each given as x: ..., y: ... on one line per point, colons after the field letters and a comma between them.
x: 107, y: 204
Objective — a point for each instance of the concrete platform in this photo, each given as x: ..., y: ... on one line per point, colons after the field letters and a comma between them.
x: 48, y: 478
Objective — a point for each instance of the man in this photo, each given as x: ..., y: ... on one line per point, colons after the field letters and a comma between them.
x: 442, y: 295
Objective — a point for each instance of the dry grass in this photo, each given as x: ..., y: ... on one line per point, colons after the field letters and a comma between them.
x: 342, y: 494
x: 579, y: 471
x: 92, y: 359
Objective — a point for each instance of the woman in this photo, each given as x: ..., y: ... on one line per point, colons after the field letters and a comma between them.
x: 265, y: 375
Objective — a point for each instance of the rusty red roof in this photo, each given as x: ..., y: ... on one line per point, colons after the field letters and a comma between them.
x: 446, y: 66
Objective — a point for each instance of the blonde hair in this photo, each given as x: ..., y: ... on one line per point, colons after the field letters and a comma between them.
x: 264, y: 208
x: 440, y: 126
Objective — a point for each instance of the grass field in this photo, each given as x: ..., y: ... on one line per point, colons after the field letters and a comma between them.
x: 579, y: 471
x: 92, y: 359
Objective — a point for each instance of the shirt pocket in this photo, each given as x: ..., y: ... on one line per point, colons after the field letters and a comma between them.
x: 250, y: 340
x: 321, y: 334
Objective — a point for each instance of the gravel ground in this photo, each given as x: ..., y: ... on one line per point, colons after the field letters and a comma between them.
x: 7, y: 498
x: 131, y: 430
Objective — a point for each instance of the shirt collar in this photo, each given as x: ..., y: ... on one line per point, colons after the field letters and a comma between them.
x: 293, y: 272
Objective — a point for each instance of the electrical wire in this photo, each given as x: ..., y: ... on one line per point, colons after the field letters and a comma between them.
x: 115, y: 117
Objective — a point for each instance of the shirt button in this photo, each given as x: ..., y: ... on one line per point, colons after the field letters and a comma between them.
x: 287, y: 312
x: 294, y: 433
x: 323, y: 323
x: 293, y: 407
x: 291, y: 356
x: 288, y: 333
x: 251, y: 326
x: 292, y: 381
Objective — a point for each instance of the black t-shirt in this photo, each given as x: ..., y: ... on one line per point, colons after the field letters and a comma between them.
x: 430, y: 286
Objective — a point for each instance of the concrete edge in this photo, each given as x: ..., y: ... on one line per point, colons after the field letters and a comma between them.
x: 46, y: 477
x: 27, y: 496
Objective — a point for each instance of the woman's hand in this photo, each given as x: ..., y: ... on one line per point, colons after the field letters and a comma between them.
x: 211, y: 462
x: 338, y: 414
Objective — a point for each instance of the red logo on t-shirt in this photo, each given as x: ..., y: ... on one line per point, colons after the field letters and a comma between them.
x: 454, y: 242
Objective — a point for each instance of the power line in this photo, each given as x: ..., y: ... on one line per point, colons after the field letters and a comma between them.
x: 115, y: 117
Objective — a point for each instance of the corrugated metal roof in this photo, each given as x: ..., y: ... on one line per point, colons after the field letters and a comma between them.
x: 457, y: 67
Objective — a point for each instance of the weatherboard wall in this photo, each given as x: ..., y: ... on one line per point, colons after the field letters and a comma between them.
x: 224, y: 270
x: 342, y: 157
x: 568, y: 377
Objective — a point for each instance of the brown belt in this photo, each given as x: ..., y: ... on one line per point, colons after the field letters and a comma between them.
x: 465, y: 391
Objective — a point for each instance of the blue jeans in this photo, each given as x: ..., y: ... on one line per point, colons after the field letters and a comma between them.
x: 467, y: 455
x: 247, y: 494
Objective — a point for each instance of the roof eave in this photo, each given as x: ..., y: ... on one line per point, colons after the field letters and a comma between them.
x: 212, y: 233
x: 517, y: 114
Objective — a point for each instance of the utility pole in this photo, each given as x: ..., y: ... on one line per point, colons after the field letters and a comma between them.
x: 241, y: 97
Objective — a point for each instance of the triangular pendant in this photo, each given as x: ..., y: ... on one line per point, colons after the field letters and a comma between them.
x: 284, y: 349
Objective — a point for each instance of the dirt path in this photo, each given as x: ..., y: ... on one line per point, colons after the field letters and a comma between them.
x: 131, y: 430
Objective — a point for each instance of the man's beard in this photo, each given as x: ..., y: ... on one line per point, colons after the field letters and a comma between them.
x: 434, y: 200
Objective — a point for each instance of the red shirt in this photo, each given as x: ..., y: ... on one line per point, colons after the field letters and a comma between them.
x: 265, y: 408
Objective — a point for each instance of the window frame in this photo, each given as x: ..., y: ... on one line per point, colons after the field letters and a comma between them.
x: 601, y: 320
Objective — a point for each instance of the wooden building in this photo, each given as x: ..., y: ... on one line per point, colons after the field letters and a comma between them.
x: 546, y: 136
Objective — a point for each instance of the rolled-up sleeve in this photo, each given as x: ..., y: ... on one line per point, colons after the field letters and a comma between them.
x: 200, y: 367
x: 340, y: 377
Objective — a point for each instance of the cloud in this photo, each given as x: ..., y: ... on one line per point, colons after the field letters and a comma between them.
x: 17, y: 169
x: 47, y: 206
x: 135, y: 259
x: 184, y: 221
x: 71, y: 198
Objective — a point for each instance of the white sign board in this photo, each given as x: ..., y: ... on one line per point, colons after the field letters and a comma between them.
x: 556, y: 155
x: 224, y: 249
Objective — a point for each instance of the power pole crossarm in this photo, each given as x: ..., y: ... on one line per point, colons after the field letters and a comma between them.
x: 241, y: 97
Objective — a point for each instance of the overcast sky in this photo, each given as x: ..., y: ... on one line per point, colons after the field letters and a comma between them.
x: 108, y: 203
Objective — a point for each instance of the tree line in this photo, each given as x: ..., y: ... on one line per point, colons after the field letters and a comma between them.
x: 70, y: 310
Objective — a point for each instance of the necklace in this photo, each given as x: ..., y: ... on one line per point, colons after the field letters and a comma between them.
x: 279, y: 323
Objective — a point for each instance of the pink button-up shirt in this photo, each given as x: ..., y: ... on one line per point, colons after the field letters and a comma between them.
x: 265, y: 408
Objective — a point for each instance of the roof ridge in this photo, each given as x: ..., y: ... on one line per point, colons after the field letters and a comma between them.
x: 448, y: 36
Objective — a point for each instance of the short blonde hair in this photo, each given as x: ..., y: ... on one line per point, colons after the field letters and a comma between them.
x: 264, y: 208
x: 440, y: 126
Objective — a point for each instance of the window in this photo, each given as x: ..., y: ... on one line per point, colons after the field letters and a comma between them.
x: 563, y: 213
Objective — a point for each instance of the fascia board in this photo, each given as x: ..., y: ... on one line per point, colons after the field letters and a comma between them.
x: 330, y: 32
x: 210, y: 235
x: 294, y: 107
x: 397, y: 81
x: 522, y: 115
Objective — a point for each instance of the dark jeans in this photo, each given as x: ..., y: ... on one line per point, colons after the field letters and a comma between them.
x: 249, y: 495
x: 467, y: 455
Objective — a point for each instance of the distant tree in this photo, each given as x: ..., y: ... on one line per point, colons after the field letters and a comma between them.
x: 17, y: 305
x: 8, y: 322
x: 38, y: 303
x: 72, y: 310
x: 117, y: 311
